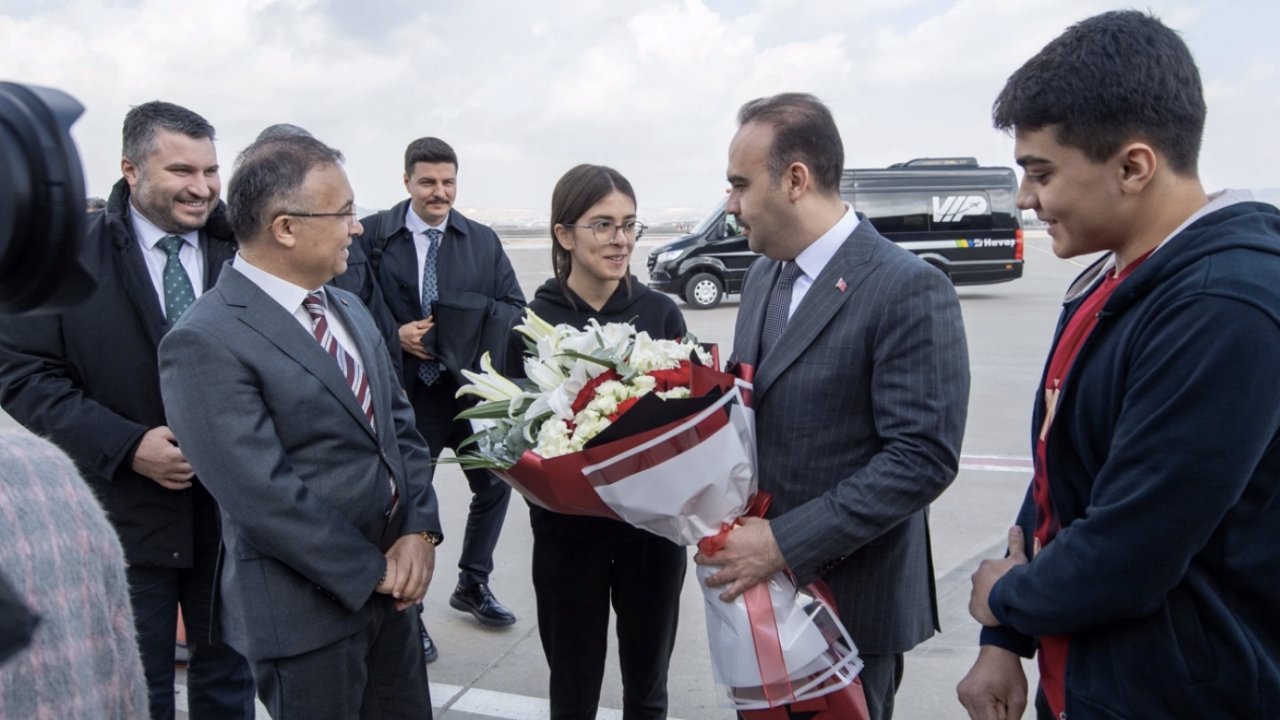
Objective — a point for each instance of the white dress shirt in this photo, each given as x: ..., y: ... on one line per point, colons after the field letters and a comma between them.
x: 290, y: 297
x: 149, y: 237
x: 816, y: 256
x: 419, y: 228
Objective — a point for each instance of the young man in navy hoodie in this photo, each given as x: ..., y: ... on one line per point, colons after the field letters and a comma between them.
x: 1144, y: 570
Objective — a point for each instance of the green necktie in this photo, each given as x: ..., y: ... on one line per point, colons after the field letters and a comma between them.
x: 178, y: 293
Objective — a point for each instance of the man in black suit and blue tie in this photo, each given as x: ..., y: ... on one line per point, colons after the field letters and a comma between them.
x: 861, y: 387
x: 453, y: 295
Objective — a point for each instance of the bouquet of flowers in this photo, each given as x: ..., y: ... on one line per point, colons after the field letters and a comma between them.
x: 610, y: 422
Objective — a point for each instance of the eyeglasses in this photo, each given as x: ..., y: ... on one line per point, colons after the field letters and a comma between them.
x: 606, y: 230
x: 351, y: 215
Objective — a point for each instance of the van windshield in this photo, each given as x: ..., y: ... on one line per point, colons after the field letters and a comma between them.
x: 710, y: 220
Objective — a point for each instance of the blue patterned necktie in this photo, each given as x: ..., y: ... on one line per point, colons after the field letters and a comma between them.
x: 429, y: 370
x: 775, y: 316
x: 178, y: 293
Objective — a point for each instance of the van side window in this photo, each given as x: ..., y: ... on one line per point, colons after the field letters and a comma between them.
x: 731, y: 228
x: 894, y: 212
x: 1003, y: 212
x: 962, y: 210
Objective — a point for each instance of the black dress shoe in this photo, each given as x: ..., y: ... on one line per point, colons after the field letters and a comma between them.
x: 429, y: 651
x: 479, y: 601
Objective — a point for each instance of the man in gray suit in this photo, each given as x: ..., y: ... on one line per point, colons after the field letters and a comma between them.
x: 861, y: 386
x: 283, y: 396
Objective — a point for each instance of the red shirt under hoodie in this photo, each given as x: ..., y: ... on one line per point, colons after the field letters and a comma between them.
x: 1052, y: 656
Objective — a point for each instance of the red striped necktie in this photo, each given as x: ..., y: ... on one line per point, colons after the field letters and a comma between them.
x: 356, y: 378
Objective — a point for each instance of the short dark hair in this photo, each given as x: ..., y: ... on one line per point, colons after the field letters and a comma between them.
x: 142, y: 121
x: 803, y: 131
x: 575, y: 193
x: 268, y: 177
x: 428, y: 150
x: 1108, y: 80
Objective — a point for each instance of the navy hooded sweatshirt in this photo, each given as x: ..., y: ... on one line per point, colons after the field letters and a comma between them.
x: 1164, y: 463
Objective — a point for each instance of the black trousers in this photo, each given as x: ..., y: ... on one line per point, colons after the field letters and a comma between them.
x: 376, y: 674
x: 581, y: 567
x: 434, y: 408
x: 219, y: 684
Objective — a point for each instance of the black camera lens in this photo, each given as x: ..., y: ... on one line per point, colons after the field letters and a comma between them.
x: 42, y: 202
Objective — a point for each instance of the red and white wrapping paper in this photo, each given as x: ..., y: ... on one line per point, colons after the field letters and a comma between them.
x: 690, y: 480
x: 685, y: 482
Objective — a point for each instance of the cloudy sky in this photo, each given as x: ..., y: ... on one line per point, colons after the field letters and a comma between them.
x: 525, y: 90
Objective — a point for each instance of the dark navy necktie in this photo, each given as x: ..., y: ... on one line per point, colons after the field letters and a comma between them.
x: 429, y: 370
x: 775, y: 316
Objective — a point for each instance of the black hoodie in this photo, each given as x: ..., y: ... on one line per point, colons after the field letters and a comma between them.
x: 648, y: 311
x: 1164, y: 469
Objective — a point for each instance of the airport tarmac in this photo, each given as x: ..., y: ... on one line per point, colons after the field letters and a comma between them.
x: 488, y: 674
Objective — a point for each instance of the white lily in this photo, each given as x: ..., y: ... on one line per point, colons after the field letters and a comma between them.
x: 534, y: 327
x: 613, y: 338
x: 489, y: 385
x: 561, y: 399
x: 545, y: 374
x: 561, y: 361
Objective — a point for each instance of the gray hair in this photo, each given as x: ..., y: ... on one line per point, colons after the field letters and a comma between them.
x: 268, y: 177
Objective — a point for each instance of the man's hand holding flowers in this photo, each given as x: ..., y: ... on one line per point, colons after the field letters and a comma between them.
x: 749, y: 557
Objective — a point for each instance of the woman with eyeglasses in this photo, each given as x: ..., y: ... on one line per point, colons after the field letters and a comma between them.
x: 584, y: 565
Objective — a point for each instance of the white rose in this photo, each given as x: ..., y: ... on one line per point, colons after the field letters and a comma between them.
x: 604, y: 405
x: 592, y: 427
x: 553, y: 439
x: 611, y: 388
x: 648, y: 354
x: 641, y: 384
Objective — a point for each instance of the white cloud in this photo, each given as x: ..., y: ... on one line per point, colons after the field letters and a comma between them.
x: 526, y: 90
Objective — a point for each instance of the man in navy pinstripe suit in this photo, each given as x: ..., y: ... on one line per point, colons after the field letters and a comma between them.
x: 861, y: 379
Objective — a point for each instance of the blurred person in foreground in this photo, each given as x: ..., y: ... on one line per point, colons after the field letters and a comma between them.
x: 86, y: 379
x: 283, y: 394
x: 1143, y: 571
x: 63, y: 560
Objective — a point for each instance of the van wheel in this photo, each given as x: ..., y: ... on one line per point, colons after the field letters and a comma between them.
x: 703, y: 291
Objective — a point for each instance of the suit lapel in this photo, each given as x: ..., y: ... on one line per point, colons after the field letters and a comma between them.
x: 850, y: 267
x: 216, y: 254
x: 267, y: 318
x: 142, y: 293
x: 751, y: 309
x: 401, y: 260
